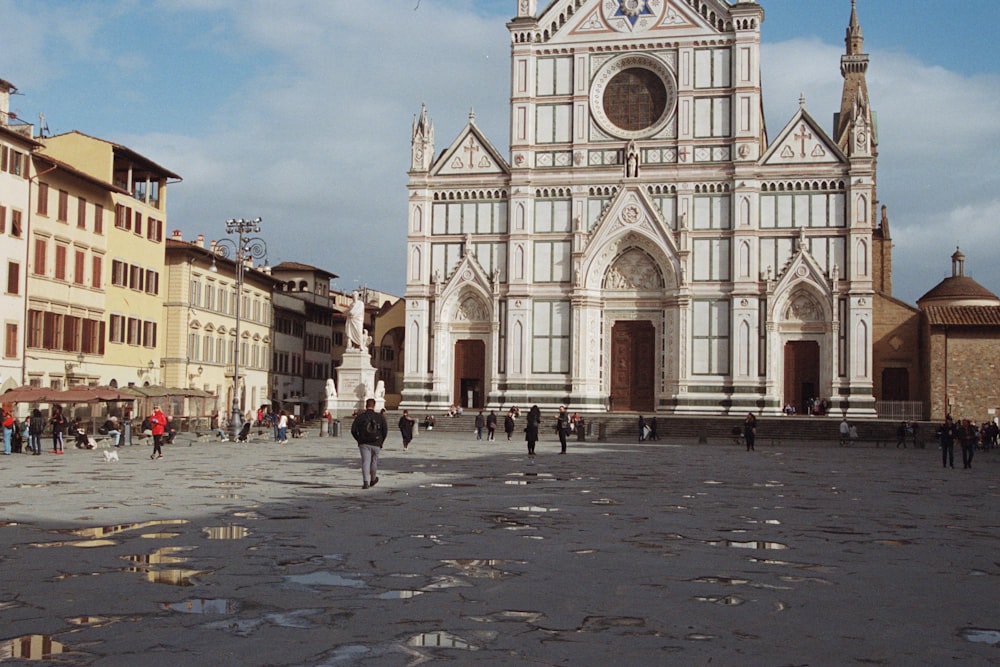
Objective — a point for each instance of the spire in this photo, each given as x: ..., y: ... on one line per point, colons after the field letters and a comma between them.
x: 855, y: 40
x: 422, y: 142
x: 854, y: 107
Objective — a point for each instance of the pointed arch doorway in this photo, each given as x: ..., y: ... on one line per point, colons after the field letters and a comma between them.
x: 801, y: 373
x: 632, y: 366
x: 470, y: 373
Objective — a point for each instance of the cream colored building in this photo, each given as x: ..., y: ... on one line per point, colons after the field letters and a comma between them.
x: 645, y: 245
x: 200, y: 337
x: 133, y: 226
x: 16, y: 146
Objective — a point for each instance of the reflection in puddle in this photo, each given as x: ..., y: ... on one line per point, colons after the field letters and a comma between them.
x: 83, y: 544
x: 753, y: 544
x: 510, y: 616
x: 482, y: 569
x: 160, y: 556
x: 698, y: 637
x: 324, y: 578
x: 94, y: 621
x: 726, y: 600
x: 727, y: 581
x: 244, y: 627
x: 169, y: 577
x: 533, y: 508
x: 159, y: 536
x: 441, y: 640
x: 104, y: 531
x: 981, y: 636
x: 199, y: 606
x: 31, y: 647
x: 894, y: 543
x: 605, y: 501
x: 226, y: 532
x: 399, y: 595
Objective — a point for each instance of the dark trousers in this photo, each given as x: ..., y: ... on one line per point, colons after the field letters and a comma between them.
x: 562, y: 440
x: 947, y: 454
x: 967, y: 452
x: 157, y: 445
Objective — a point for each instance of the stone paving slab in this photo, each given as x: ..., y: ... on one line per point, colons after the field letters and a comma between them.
x: 470, y: 552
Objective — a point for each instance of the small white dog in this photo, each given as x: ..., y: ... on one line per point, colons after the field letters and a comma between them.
x: 110, y: 455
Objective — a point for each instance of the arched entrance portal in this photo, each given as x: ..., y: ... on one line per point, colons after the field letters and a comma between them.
x: 633, y: 364
x: 801, y: 373
x: 470, y: 373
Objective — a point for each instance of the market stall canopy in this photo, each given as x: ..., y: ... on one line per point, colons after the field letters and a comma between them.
x: 166, y: 392
x: 28, y: 394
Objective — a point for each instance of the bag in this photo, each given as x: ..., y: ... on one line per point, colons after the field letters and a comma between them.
x: 102, y: 431
x: 8, y: 423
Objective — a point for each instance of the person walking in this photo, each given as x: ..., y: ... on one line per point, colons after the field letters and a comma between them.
x: 491, y: 426
x: 947, y: 434
x: 642, y: 428
x: 369, y: 430
x: 59, y: 424
x: 282, y: 427
x: 562, y: 427
x: 966, y: 434
x: 36, y: 425
x: 158, y: 424
x: 653, y: 435
x: 750, y: 431
x: 531, y: 428
x: 406, y: 423
x: 845, y: 432
x: 480, y: 424
x: 508, y: 424
x: 8, y: 430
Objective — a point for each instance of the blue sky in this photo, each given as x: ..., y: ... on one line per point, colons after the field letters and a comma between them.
x: 300, y: 111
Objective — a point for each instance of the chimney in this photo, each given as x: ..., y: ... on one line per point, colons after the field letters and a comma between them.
x: 176, y: 235
x: 200, y: 241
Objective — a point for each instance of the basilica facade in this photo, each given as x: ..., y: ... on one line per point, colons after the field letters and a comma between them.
x: 645, y: 245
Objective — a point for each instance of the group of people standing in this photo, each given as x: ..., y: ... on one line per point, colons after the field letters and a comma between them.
x: 26, y: 435
x: 968, y: 436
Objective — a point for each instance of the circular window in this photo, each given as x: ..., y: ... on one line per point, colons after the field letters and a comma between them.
x: 635, y: 99
x: 633, y: 96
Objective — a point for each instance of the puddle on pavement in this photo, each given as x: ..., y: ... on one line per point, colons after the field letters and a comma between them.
x: 170, y: 577
x: 399, y: 595
x: 510, y: 616
x: 699, y: 637
x: 244, y: 627
x: 226, y: 532
x: 534, y: 509
x: 201, y: 606
x: 92, y: 621
x: 249, y: 514
x: 31, y: 647
x: 443, y: 583
x: 161, y: 556
x: 725, y: 581
x: 981, y: 636
x: 236, y: 484
x: 751, y: 544
x: 440, y: 640
x: 83, y: 544
x: 723, y: 600
x: 324, y: 578
x: 446, y: 485
x: 802, y: 566
x: 601, y: 623
x: 482, y: 569
x: 893, y: 543
x: 159, y: 536
x: 105, y: 531
x: 605, y: 501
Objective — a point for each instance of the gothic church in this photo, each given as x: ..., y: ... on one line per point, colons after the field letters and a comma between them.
x: 645, y: 245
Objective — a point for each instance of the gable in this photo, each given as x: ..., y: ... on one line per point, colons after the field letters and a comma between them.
x: 470, y: 154
x: 803, y: 141
x: 573, y: 20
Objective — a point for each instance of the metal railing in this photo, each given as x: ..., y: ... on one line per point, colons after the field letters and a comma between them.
x: 901, y: 410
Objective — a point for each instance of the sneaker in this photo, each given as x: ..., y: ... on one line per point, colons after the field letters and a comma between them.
x: 374, y: 481
x: 365, y: 485
x: 159, y: 456
x: 60, y: 452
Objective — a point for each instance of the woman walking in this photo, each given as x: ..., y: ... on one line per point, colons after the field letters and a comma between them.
x: 531, y: 428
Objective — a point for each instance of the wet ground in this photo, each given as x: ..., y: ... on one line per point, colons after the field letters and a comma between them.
x: 466, y: 551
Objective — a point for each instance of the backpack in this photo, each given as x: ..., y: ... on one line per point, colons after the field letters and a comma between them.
x: 371, y: 430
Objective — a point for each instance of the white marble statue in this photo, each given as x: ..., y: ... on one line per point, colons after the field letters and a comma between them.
x: 380, y: 389
x: 331, y: 389
x: 366, y: 340
x: 355, y: 322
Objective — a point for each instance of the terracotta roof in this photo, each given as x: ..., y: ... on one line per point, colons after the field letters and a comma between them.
x: 957, y: 288
x: 299, y: 266
x: 963, y: 316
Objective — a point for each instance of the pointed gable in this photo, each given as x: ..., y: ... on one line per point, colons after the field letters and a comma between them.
x: 470, y: 154
x: 803, y: 141
x: 567, y: 19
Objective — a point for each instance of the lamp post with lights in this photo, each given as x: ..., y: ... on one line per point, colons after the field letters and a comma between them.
x: 245, y: 249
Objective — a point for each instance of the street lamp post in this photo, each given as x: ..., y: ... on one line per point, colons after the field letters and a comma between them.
x: 246, y: 248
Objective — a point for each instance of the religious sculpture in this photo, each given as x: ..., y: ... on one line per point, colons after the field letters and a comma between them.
x: 331, y: 389
x: 380, y: 389
x: 355, y: 321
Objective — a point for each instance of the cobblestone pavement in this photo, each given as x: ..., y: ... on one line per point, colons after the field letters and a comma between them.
x: 466, y: 551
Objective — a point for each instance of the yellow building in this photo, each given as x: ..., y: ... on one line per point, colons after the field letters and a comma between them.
x: 134, y: 226
x: 200, y: 337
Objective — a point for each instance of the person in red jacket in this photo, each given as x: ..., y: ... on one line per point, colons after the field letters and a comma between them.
x: 158, y: 421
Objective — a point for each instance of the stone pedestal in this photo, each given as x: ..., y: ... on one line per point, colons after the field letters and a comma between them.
x: 355, y: 383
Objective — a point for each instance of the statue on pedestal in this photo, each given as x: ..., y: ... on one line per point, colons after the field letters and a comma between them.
x: 355, y: 323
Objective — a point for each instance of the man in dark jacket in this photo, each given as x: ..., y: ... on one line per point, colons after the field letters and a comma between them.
x: 406, y: 423
x: 369, y: 430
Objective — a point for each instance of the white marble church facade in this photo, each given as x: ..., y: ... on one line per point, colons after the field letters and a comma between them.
x: 644, y: 246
